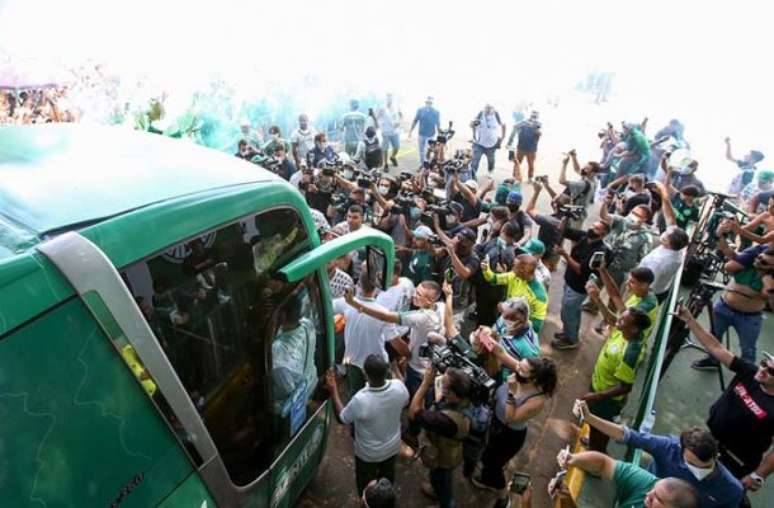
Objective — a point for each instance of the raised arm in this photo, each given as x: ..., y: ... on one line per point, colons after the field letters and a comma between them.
x: 381, y: 315
x: 606, y: 427
x: 596, y: 463
x: 728, y: 150
x: 575, y: 164
x: 593, y: 291
x: 705, y: 338
x: 532, y: 203
x: 612, y: 289
x: 563, y: 171
x: 666, y: 204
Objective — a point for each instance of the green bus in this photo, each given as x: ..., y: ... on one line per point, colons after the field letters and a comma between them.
x: 165, y: 321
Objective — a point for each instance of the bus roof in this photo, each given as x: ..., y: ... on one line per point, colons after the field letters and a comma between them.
x: 62, y: 176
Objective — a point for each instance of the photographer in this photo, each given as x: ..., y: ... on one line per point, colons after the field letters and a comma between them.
x: 275, y: 140
x: 285, y: 169
x: 246, y: 150
x: 302, y: 140
x: 576, y: 275
x: 551, y: 226
x: 742, y: 419
x: 520, y: 399
x: 581, y: 192
x: 465, y: 193
x: 628, y: 241
x: 446, y: 426
x: 488, y: 134
x: 692, y: 456
x: 684, y: 177
x: 500, y: 252
x: 459, y: 267
x: 369, y: 151
x: 742, y: 303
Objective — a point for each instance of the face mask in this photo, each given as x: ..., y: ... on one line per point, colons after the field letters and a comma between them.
x: 415, y: 213
x: 699, y: 472
x: 348, y: 174
x: 513, y: 208
x: 509, y: 325
x: 275, y: 137
x: 451, y: 220
x: 521, y: 379
x: 384, y: 190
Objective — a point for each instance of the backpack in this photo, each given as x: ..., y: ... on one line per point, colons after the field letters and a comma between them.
x: 443, y: 452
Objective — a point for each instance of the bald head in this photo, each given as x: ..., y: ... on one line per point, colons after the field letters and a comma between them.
x: 673, y: 493
x: 524, y: 266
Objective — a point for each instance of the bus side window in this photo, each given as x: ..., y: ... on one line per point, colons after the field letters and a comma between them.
x: 298, y: 352
x: 209, y: 301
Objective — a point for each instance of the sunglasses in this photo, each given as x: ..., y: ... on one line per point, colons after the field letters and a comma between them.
x: 765, y: 367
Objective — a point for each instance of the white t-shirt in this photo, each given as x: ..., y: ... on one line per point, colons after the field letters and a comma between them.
x: 305, y: 140
x: 421, y: 322
x: 397, y: 298
x: 488, y: 130
x: 664, y: 264
x: 389, y: 120
x: 376, y: 415
x: 363, y: 335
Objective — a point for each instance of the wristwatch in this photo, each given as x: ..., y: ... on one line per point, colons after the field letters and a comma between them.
x: 757, y: 478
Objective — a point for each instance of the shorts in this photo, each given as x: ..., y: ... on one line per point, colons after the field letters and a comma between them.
x: 390, y: 139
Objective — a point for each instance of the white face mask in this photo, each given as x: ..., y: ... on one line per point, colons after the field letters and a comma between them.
x: 699, y: 472
x: 384, y: 190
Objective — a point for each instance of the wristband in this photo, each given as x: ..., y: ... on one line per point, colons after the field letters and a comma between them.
x: 757, y: 478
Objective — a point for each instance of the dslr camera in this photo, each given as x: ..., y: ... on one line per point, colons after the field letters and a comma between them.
x: 445, y: 135
x: 572, y: 212
x: 442, y: 209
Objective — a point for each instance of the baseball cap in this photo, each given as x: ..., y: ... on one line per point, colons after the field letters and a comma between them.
x: 502, y: 191
x: 514, y: 198
x: 422, y: 232
x: 535, y: 247
x: 766, y: 176
x: 472, y: 185
x: 467, y: 234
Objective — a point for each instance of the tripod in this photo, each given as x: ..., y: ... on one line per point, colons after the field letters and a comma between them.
x: 699, y: 299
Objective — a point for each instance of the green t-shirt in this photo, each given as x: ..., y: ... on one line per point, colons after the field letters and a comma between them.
x: 419, y: 267
x: 632, y: 483
x: 647, y: 304
x: 617, y: 362
x: 684, y: 214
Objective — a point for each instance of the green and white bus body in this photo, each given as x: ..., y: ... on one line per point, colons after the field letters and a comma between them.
x: 165, y: 317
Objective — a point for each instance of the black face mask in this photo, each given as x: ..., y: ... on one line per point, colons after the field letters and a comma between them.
x: 513, y: 208
x: 592, y: 235
x: 521, y: 379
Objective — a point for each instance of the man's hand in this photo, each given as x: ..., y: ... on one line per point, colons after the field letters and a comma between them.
x: 330, y: 380
x: 536, y: 185
x: 559, y: 250
x: 564, y: 458
x: 727, y: 140
x: 681, y: 312
x: 592, y: 290
x: 750, y: 484
x: 725, y: 227
x: 485, y: 266
x: 349, y: 297
x: 448, y: 290
x: 581, y: 409
x: 590, y: 397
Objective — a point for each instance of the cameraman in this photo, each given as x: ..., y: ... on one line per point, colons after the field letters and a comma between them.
x: 285, y: 168
x: 742, y: 303
x: 550, y: 230
x: 576, y: 275
x: 465, y: 193
x: 581, y: 192
x: 488, y: 134
x: 369, y: 151
x: 519, y: 218
x: 319, y: 191
x: 246, y: 150
x: 459, y: 267
x: 446, y: 426
x: 501, y: 254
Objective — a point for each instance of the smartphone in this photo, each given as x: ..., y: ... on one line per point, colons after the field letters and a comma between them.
x: 593, y: 278
x: 448, y: 275
x: 487, y: 342
x: 597, y: 260
x: 519, y: 483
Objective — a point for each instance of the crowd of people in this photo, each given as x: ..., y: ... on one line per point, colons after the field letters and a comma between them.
x: 32, y: 106
x: 471, y: 279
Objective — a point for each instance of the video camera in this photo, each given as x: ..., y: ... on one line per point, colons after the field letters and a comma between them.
x: 572, y: 212
x: 459, y: 355
x: 404, y: 202
x: 442, y: 209
x: 445, y: 135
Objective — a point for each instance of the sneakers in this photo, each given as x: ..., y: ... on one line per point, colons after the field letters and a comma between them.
x: 706, y: 363
x: 394, y: 161
x: 560, y: 335
x: 478, y: 482
x: 563, y: 343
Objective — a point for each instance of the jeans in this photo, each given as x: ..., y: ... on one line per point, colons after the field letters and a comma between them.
x: 423, y: 146
x: 441, y: 480
x: 367, y: 471
x: 747, y: 325
x: 478, y: 151
x: 571, y: 312
x: 390, y: 139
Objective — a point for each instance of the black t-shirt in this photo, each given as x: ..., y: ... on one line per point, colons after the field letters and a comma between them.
x: 742, y: 419
x: 582, y: 252
x: 522, y: 221
x: 489, y: 295
x: 463, y: 288
x: 549, y: 233
x: 320, y: 200
x: 469, y: 212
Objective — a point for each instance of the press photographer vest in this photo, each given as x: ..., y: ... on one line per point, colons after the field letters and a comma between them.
x: 445, y: 452
x: 373, y: 153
